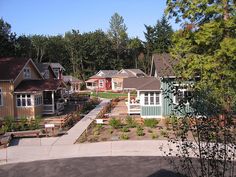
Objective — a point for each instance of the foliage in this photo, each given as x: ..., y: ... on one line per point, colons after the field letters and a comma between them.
x: 124, y: 136
x: 154, y: 135
x: 151, y: 122
x: 125, y: 129
x: 205, y: 51
x: 164, y: 133
x: 139, y: 131
x: 115, y: 123
x: 131, y: 122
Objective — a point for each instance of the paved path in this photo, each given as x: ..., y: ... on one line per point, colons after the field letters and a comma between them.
x: 77, y: 130
x: 120, y: 109
x: 45, y: 151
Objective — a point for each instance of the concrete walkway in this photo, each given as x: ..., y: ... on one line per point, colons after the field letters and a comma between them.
x: 45, y: 151
x: 74, y: 133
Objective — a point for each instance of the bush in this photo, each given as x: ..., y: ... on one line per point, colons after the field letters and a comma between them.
x: 150, y: 131
x: 131, y: 123
x: 140, y: 131
x: 115, y: 123
x: 124, y: 136
x: 164, y: 133
x: 151, y: 122
x: 125, y: 129
x: 154, y: 135
x: 111, y: 130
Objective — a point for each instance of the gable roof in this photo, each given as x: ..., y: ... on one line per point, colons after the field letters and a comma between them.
x: 164, y: 64
x: 105, y: 74
x: 142, y: 83
x: 56, y: 65
x: 42, y: 67
x: 125, y: 73
x: 39, y: 85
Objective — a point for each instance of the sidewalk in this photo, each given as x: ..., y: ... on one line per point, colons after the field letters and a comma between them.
x: 15, y: 154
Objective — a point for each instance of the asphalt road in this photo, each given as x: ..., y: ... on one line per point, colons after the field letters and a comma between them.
x: 93, y: 167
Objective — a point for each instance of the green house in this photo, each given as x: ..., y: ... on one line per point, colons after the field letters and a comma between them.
x: 158, y: 95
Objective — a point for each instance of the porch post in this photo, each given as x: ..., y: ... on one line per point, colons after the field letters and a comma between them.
x: 128, y: 101
x: 53, y: 104
x: 138, y: 94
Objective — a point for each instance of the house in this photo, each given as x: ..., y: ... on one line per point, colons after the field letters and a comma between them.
x: 101, y: 81
x: 25, y: 93
x: 118, y: 78
x: 156, y: 95
x: 72, y: 83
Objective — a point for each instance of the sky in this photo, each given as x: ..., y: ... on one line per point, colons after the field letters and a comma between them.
x: 52, y: 17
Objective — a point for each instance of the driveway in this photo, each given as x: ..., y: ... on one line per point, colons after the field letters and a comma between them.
x: 93, y: 167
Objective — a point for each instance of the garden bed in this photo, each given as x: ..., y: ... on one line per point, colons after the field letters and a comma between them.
x: 128, y: 129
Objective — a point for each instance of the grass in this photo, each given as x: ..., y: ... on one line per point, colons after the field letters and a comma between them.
x: 110, y: 95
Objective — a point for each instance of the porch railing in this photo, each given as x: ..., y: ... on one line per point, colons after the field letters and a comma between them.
x: 48, y: 109
x: 134, y: 108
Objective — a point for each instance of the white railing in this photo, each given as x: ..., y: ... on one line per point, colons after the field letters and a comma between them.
x: 133, y: 108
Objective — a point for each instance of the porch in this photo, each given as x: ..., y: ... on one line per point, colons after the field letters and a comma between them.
x: 92, y: 84
x: 133, y: 104
x: 53, y: 102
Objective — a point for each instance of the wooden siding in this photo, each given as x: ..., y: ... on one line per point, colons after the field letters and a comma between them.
x: 8, y: 101
x: 151, y: 111
x: 34, y: 74
x: 120, y: 80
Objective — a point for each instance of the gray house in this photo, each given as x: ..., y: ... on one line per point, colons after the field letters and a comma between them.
x: 159, y: 94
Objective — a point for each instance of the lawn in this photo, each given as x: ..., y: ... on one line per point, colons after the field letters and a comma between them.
x: 110, y: 95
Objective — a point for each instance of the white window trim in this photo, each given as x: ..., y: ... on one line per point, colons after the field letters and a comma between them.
x: 28, y: 77
x: 155, y: 93
x: 101, y: 82
x: 32, y: 101
x: 174, y: 98
x: 34, y: 97
x: 1, y: 93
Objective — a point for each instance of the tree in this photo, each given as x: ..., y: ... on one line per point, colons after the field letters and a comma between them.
x: 39, y: 42
x: 162, y: 36
x: 205, y: 51
x: 24, y: 47
x: 7, y: 40
x: 135, y: 47
x: 118, y: 35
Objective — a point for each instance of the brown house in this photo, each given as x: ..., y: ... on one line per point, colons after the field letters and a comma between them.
x: 24, y: 92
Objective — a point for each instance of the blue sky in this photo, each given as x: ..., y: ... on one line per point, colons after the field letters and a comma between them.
x: 51, y: 17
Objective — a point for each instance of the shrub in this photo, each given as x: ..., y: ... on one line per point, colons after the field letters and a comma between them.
x: 111, y: 130
x: 154, y: 135
x: 9, y: 124
x: 131, y: 123
x: 140, y: 131
x: 164, y: 133
x: 124, y: 136
x: 125, y: 129
x: 115, y: 123
x: 150, y: 131
x: 151, y: 122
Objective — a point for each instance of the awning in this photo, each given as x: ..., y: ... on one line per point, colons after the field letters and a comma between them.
x: 92, y: 80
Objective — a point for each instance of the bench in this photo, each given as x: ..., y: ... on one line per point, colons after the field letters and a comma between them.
x: 29, y: 133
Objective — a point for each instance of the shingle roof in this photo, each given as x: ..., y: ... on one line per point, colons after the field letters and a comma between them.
x: 39, y: 85
x: 125, y: 73
x: 56, y: 65
x: 142, y: 83
x: 105, y: 74
x: 11, y: 67
x: 164, y: 65
x: 42, y: 67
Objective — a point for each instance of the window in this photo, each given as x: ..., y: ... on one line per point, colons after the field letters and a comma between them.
x: 101, y: 83
x: 1, y: 97
x: 117, y: 84
x: 157, y: 98
x: 38, y: 100
x: 23, y: 100
x: 152, y: 98
x: 56, y: 71
x: 146, y: 101
x: 183, y: 95
x: 27, y: 74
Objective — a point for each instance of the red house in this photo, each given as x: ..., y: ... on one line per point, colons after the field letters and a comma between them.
x: 101, y: 81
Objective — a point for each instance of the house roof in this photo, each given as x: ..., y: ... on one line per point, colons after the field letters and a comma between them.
x: 164, y: 64
x: 70, y: 79
x: 142, y: 83
x: 91, y: 80
x: 56, y: 65
x: 125, y: 73
x: 105, y: 74
x: 42, y: 67
x: 39, y: 85
x: 11, y: 67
